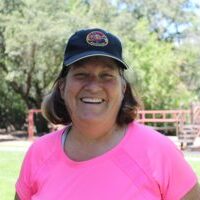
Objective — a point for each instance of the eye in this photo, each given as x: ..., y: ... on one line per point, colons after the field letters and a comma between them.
x: 107, y: 76
x: 80, y: 75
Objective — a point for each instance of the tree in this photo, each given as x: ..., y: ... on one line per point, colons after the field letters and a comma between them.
x: 33, y: 51
x: 155, y: 71
x: 169, y: 19
x: 33, y: 36
x: 190, y: 68
x: 12, y: 109
x: 33, y: 39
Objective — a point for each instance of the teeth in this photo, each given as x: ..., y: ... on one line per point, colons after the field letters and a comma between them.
x: 92, y: 100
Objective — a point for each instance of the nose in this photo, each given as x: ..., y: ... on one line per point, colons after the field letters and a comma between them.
x: 93, y: 84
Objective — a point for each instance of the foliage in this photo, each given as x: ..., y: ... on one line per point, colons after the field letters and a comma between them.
x: 33, y: 35
x: 166, y: 18
x: 190, y: 67
x: 12, y: 108
x: 156, y: 66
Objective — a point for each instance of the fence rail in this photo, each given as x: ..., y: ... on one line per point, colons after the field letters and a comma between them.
x: 174, y: 117
x: 163, y: 115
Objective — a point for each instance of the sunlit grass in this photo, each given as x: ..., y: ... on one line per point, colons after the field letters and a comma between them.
x: 194, y: 161
x: 10, y: 163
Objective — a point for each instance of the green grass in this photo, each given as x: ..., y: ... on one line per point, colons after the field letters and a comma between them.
x: 10, y: 163
x: 192, y: 159
x: 196, y: 167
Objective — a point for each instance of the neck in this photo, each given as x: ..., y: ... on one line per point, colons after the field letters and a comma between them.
x: 93, y: 132
x: 84, y: 144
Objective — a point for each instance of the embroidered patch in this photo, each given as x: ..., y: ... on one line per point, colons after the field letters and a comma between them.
x: 97, y: 38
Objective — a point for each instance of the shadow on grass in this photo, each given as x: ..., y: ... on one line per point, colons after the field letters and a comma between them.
x: 13, y: 136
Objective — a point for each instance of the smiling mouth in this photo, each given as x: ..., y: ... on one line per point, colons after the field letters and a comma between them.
x: 92, y: 100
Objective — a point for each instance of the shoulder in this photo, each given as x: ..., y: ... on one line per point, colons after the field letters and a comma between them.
x: 48, y: 140
x: 37, y: 156
x: 42, y: 149
x: 150, y: 146
x: 47, y: 143
x: 160, y: 159
x: 144, y: 137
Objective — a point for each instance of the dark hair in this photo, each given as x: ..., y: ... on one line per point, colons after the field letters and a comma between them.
x: 54, y: 109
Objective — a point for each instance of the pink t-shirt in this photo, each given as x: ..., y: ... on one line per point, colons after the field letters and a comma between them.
x: 145, y: 165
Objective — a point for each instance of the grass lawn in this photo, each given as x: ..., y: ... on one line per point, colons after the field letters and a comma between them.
x: 196, y: 167
x: 10, y: 163
x: 194, y: 161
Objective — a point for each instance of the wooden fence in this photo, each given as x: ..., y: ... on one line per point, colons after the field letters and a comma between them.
x: 158, y: 119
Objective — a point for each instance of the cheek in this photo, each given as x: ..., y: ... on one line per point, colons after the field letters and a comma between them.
x: 117, y: 92
x: 69, y: 98
x: 71, y: 91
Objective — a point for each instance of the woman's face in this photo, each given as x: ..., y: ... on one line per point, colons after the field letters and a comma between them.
x: 93, y: 90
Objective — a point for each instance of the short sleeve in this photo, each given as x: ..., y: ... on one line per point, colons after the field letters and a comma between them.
x: 174, y: 175
x: 25, y: 186
x: 39, y: 152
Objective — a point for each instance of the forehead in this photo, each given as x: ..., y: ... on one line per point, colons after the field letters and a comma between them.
x: 104, y: 62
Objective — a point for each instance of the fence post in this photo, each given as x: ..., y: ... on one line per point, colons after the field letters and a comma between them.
x: 30, y: 125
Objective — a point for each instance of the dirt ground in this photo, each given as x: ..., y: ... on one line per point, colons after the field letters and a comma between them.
x: 13, y: 136
x: 19, y: 139
x: 14, y: 141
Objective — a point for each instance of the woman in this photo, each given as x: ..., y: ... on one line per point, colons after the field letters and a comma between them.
x: 102, y: 153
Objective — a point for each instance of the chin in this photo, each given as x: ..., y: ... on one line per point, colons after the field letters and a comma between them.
x: 97, y: 118
x: 92, y: 118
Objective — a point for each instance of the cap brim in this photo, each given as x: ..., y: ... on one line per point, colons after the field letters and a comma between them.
x: 88, y: 54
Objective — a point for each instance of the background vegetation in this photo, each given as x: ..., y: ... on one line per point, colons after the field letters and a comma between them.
x: 160, y: 38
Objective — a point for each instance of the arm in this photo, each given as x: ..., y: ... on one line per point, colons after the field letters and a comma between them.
x: 193, y: 194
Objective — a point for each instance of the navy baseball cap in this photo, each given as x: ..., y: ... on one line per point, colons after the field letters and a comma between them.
x: 93, y: 42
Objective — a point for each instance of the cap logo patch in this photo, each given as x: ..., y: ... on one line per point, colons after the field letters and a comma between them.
x: 97, y: 38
